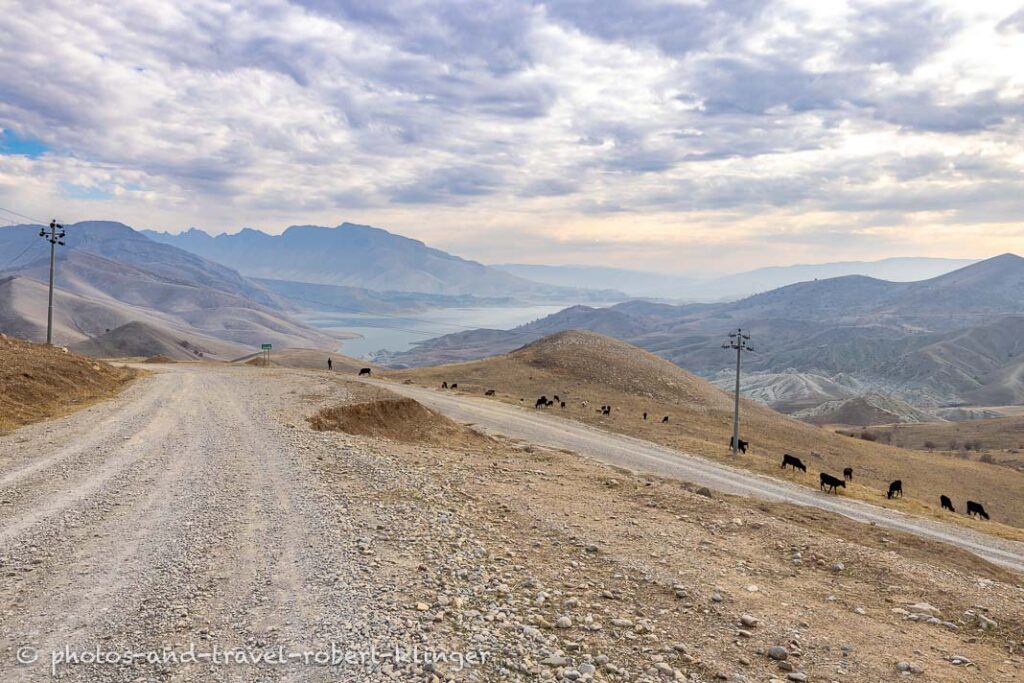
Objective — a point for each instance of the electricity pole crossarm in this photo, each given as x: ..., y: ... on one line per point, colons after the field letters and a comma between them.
x: 740, y: 342
x: 55, y: 235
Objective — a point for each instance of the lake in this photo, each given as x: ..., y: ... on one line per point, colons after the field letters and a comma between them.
x: 399, y: 332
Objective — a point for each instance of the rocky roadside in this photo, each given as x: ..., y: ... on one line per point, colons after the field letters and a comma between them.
x: 562, y: 569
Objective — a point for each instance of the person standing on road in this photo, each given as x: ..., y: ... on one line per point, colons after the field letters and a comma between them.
x: 330, y: 365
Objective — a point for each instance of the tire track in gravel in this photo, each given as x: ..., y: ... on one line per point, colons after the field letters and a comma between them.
x: 123, y: 418
x: 188, y: 512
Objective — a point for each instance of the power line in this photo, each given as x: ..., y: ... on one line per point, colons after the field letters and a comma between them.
x: 16, y: 258
x: 21, y: 215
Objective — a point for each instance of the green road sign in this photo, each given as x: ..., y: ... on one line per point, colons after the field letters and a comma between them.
x: 265, y: 347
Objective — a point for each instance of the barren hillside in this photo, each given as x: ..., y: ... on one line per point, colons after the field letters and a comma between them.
x: 39, y: 381
x: 586, y: 368
x: 870, y: 409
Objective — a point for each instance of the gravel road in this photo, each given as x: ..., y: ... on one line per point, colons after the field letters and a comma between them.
x: 643, y: 456
x: 187, y: 510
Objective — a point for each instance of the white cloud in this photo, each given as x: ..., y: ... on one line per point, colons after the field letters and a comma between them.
x: 680, y: 126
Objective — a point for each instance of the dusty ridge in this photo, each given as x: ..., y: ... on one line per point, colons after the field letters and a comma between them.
x: 583, y: 367
x: 863, y: 411
x: 400, y: 419
x: 39, y: 381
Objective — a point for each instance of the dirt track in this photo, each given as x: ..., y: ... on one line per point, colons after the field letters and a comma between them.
x: 184, y: 510
x: 197, y: 510
x: 643, y: 456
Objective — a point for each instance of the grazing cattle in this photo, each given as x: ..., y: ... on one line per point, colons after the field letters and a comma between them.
x: 556, y: 399
x: 562, y: 405
x: 364, y: 371
x: 848, y: 474
x: 742, y: 445
x: 976, y: 509
x: 453, y: 385
x: 606, y: 410
x: 645, y: 416
x: 829, y: 483
x: 895, y: 488
x: 664, y: 419
x: 794, y: 462
x: 947, y: 504
x: 489, y: 392
x: 542, y: 402
x: 444, y: 385
x: 584, y: 404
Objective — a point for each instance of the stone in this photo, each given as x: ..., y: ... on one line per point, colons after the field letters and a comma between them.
x: 924, y: 608
x: 778, y: 653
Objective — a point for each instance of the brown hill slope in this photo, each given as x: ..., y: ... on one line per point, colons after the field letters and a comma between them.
x: 863, y: 411
x: 583, y: 367
x: 77, y: 319
x: 39, y: 381
x: 141, y: 340
x: 310, y: 359
x: 998, y: 433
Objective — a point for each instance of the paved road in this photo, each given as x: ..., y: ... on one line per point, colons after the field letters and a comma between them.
x: 643, y: 456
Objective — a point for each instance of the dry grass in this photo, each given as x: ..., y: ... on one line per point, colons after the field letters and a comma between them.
x: 1000, y: 433
x: 39, y: 382
x: 585, y: 367
x: 622, y: 545
x: 399, y: 419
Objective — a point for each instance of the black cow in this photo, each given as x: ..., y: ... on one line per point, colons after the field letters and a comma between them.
x: 453, y: 385
x: 645, y: 416
x: 947, y: 504
x: 895, y: 488
x: 848, y: 474
x: 542, y: 402
x: 489, y: 392
x: 444, y: 385
x: 562, y: 404
x: 794, y: 462
x: 556, y: 399
x: 365, y: 371
x: 664, y: 419
x: 829, y: 483
x: 742, y: 445
x: 976, y: 509
x: 606, y: 410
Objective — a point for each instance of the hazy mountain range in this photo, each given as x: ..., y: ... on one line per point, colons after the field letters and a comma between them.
x: 109, y: 275
x: 369, y: 258
x: 638, y: 283
x: 955, y: 338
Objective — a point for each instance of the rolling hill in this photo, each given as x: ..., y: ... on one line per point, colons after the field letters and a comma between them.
x: 948, y: 340
x: 734, y: 285
x: 863, y: 411
x: 362, y: 256
x: 109, y: 275
x: 39, y: 382
x: 583, y: 367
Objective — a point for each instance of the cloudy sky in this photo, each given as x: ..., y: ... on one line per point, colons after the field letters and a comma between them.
x: 663, y: 134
